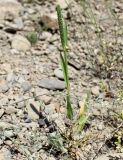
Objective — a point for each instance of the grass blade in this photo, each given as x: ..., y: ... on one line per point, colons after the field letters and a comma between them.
x: 63, y: 65
x: 63, y: 58
x: 69, y: 108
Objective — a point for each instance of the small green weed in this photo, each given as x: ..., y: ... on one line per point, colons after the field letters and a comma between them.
x: 32, y: 37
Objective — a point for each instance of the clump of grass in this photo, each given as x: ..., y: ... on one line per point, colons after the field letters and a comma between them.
x: 32, y: 37
x: 63, y: 58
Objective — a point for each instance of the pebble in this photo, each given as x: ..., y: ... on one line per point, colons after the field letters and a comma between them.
x: 12, y: 27
x: 11, y: 77
x: 59, y: 73
x: 6, y: 125
x: 49, y: 21
x: 18, y: 23
x: 14, y: 52
x: 45, y: 35
x: 20, y: 43
x: 8, y: 133
x: 39, y: 92
x: 26, y: 86
x: 10, y: 110
x: 27, y: 120
x: 95, y: 90
x: 51, y: 108
x: 77, y: 65
x: 21, y: 104
x: 5, y: 154
x: 51, y: 83
x: 21, y: 80
x: 46, y: 99
x: 4, y: 101
x: 100, y: 126
x: 8, y: 142
x: 3, y: 86
x: 41, y: 122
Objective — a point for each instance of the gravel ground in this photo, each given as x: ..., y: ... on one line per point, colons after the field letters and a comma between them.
x: 33, y: 123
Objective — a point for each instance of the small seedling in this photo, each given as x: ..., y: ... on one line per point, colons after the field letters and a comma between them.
x: 32, y: 37
x: 63, y: 58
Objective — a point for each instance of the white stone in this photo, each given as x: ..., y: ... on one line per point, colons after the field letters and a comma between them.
x: 20, y: 43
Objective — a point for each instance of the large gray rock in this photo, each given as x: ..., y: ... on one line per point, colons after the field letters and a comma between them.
x: 51, y: 83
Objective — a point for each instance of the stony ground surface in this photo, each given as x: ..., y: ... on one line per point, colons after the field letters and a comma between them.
x: 33, y: 123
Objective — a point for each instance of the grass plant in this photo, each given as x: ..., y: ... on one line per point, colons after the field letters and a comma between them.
x: 63, y: 58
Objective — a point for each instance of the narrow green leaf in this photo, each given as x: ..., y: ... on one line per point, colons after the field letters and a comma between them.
x: 66, y: 68
x: 63, y: 68
x: 69, y: 108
